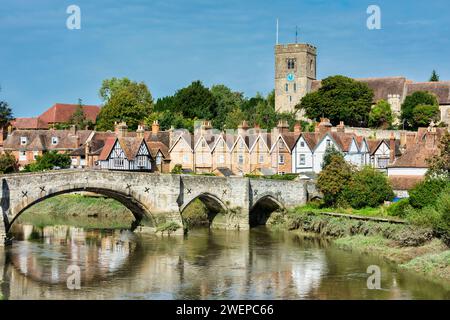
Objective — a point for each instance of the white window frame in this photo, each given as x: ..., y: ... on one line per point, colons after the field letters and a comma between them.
x: 302, y: 144
x: 55, y: 141
x: 302, y: 159
x: 281, y: 159
x: 261, y: 158
x: 22, y: 155
x: 118, y: 163
x: 221, y: 159
x: 241, y: 159
x: 141, y: 161
x: 23, y: 141
x: 158, y: 159
x: 185, y: 158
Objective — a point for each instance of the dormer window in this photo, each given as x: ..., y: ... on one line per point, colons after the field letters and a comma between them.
x: 241, y: 144
x: 302, y: 144
x: 54, y: 140
x: 23, y: 141
x: 328, y: 142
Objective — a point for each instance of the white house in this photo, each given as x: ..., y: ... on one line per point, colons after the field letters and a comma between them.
x: 125, y: 153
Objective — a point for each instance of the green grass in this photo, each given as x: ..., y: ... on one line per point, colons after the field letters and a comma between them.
x: 433, y: 264
x: 366, y: 212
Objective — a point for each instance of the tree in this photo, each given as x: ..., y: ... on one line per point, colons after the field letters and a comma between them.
x: 434, y: 76
x: 195, y: 101
x: 333, y: 179
x: 367, y: 188
x: 167, y: 119
x: 226, y: 102
x: 49, y: 161
x: 265, y: 116
x: 423, y: 115
x: 78, y: 118
x: 8, y: 163
x: 439, y: 165
x: 330, y: 153
x: 6, y: 114
x: 125, y: 100
x: 234, y: 118
x: 414, y: 100
x: 339, y: 99
x: 381, y: 115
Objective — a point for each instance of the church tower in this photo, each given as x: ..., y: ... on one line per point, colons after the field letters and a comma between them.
x: 295, y: 69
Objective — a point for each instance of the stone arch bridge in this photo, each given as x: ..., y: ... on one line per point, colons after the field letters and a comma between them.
x: 154, y: 199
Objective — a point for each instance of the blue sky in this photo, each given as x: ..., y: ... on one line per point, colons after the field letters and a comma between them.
x: 169, y: 43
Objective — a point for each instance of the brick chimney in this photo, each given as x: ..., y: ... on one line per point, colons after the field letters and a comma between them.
x: 410, y: 139
x: 297, y: 128
x: 121, y: 129
x: 171, y: 135
x: 77, y: 141
x: 324, y: 126
x: 155, y: 127
x: 340, y: 127
x: 73, y: 129
x: 140, y: 132
x: 431, y: 140
x: 243, y: 127
x: 283, y: 126
x: 392, y: 148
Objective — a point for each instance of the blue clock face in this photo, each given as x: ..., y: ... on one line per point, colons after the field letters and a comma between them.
x: 290, y: 77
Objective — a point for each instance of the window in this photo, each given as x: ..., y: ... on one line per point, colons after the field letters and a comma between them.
x: 203, y: 144
x: 328, y: 143
x: 290, y: 98
x: 281, y: 159
x: 118, y: 162
x: 22, y: 155
x: 221, y: 158
x: 291, y: 64
x: 241, y: 144
x: 295, y: 87
x: 185, y: 158
x: 141, y: 161
x: 302, y: 160
x: 302, y: 144
x: 35, y: 154
x: 158, y: 159
x: 287, y: 87
x: 383, y: 163
x: 241, y: 159
x: 23, y: 141
x: 261, y: 158
x: 281, y: 145
x: 54, y: 140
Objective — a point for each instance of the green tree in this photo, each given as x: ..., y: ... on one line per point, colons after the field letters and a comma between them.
x: 6, y: 114
x: 226, y: 102
x: 339, y: 99
x: 439, y: 165
x: 367, y: 188
x: 381, y: 115
x: 330, y: 153
x: 234, y: 119
x: 78, y: 118
x: 265, y: 116
x: 124, y: 100
x: 195, y: 102
x: 8, y: 163
x: 49, y: 161
x: 423, y: 115
x: 414, y: 100
x: 333, y: 179
x: 434, y: 76
x: 167, y: 119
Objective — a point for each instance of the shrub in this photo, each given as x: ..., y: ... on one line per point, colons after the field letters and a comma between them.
x: 399, y: 208
x: 425, y: 193
x: 49, y: 161
x: 367, y: 188
x: 177, y: 169
x: 8, y: 163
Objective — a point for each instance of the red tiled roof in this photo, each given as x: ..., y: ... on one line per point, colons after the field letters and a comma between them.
x: 109, y: 145
x: 29, y: 123
x: 61, y: 113
x: 405, y: 182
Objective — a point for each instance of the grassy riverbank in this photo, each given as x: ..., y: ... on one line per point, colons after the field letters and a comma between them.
x: 80, y: 211
x: 411, y: 247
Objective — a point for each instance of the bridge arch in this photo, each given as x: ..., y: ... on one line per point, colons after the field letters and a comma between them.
x: 140, y: 212
x: 262, y: 209
x: 213, y: 204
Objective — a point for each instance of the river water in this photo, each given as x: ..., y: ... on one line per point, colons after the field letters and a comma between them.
x: 256, y: 264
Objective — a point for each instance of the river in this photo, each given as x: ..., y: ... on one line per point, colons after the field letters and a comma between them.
x: 256, y: 264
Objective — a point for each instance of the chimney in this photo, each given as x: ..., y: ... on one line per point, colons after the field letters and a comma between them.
x: 73, y: 129
x: 243, y: 127
x: 392, y: 148
x: 324, y: 126
x: 77, y: 141
x: 341, y: 127
x: 431, y: 140
x: 297, y: 128
x: 121, y: 129
x: 155, y: 127
x: 257, y: 128
x: 140, y: 132
x: 171, y: 135
x: 206, y: 125
x: 410, y: 139
x: 283, y: 126
x: 10, y: 130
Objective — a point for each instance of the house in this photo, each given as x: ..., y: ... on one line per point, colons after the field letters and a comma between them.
x: 59, y: 113
x: 240, y: 151
x: 182, y: 150
x: 260, y: 145
x: 221, y: 155
x: 126, y: 153
x: 281, y: 151
x: 26, y: 145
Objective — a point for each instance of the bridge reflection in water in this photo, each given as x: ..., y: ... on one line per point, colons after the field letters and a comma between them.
x: 257, y: 264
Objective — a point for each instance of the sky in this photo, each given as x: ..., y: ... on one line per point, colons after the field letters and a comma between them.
x: 169, y: 43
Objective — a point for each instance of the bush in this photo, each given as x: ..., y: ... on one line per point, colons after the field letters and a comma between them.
x: 178, y: 169
x: 425, y: 193
x: 367, y: 188
x: 399, y: 209
x: 49, y: 161
x: 8, y: 163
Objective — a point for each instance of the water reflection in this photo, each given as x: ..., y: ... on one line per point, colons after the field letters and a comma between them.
x: 205, y: 265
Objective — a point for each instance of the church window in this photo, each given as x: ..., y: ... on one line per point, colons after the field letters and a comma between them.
x: 287, y: 87
x: 295, y: 87
x: 290, y: 64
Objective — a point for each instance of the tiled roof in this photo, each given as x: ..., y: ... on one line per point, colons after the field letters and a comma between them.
x: 61, y: 113
x: 107, y: 148
x: 29, y: 123
x: 440, y: 89
x: 156, y: 146
x: 404, y: 182
x: 415, y: 157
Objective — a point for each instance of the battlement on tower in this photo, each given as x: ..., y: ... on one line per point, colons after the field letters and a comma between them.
x: 295, y: 48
